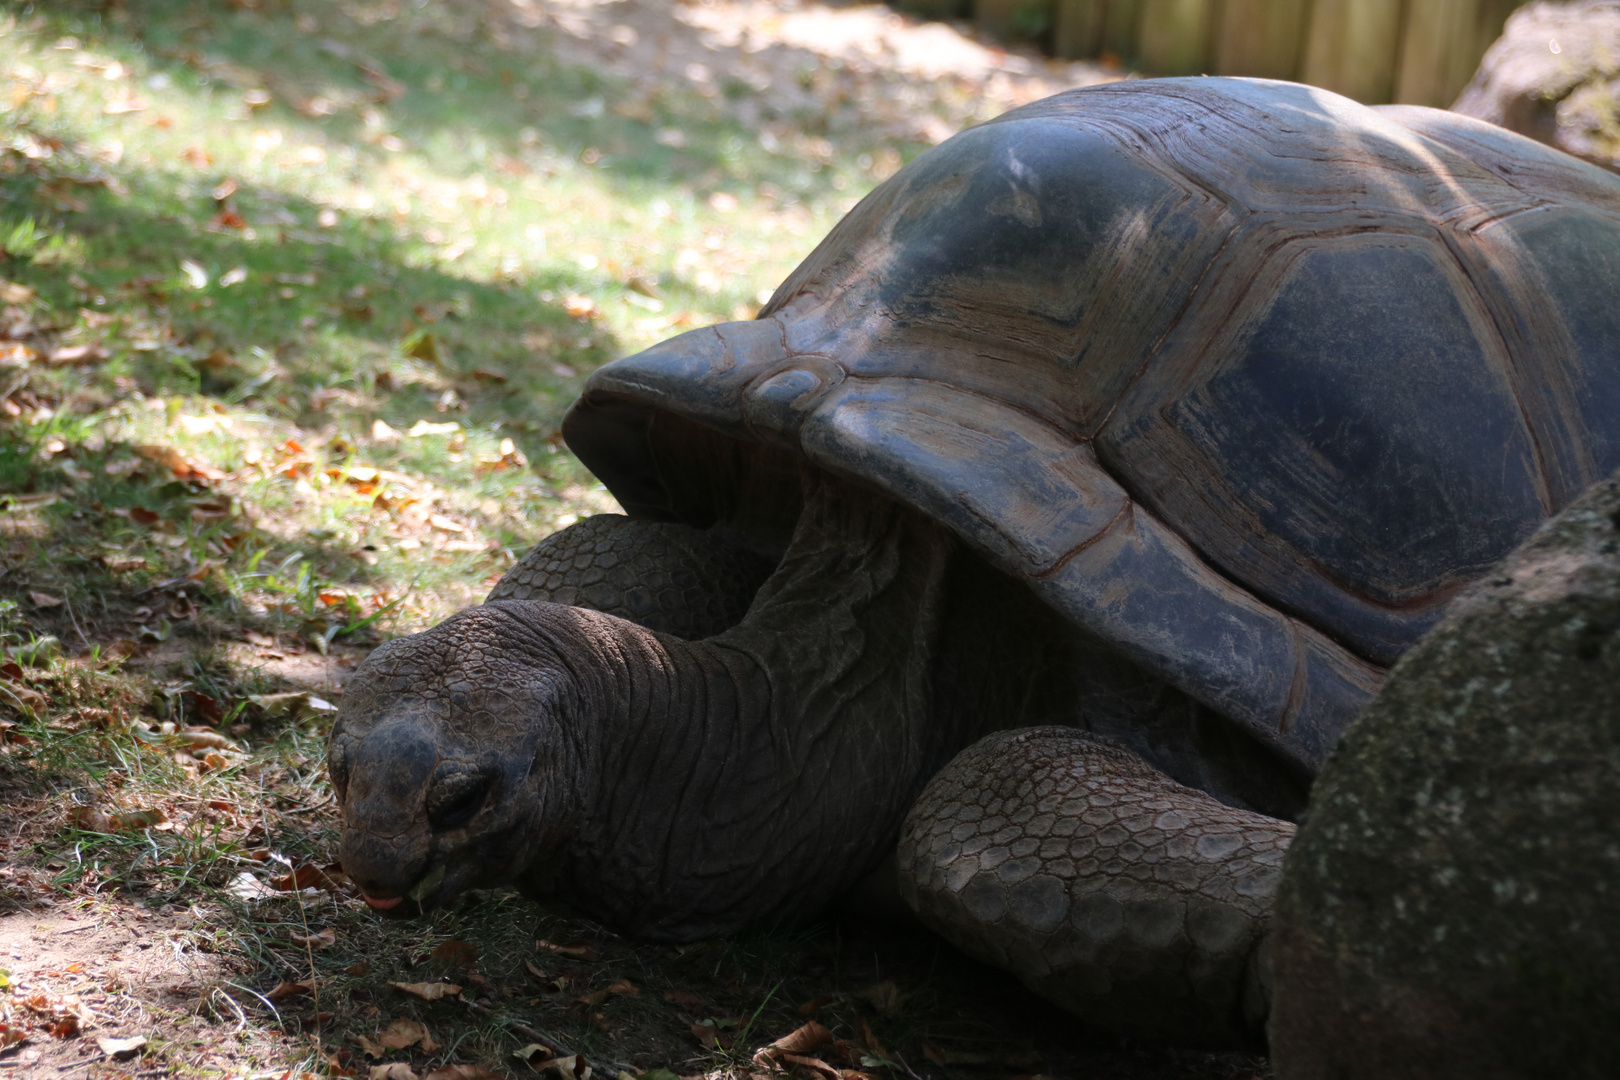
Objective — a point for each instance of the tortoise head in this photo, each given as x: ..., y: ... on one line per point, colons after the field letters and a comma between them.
x: 450, y: 761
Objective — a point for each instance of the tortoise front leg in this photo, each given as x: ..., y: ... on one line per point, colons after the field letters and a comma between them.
x: 1139, y: 904
x: 667, y: 577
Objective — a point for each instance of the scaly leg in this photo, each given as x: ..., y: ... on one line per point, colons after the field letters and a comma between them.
x: 1137, y: 903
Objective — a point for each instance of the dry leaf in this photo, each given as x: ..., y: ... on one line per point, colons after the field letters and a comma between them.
x: 320, y: 940
x: 871, y: 1041
x: 428, y: 991
x: 625, y: 987
x: 362, y: 968
x: 121, y: 649
x: 211, y: 740
x: 579, y: 949
x: 291, y: 989
x: 462, y: 953
x: 371, y: 1047
x: 45, y: 600
x: 813, y: 1063
x: 121, y: 1048
x: 572, y: 1067
x: 402, y: 1033
x: 801, y: 1039
x: 393, y: 1070
x: 90, y: 819
x: 462, y: 1072
x: 308, y: 876
x: 883, y: 996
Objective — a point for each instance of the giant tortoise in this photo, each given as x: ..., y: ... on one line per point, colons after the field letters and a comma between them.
x: 1134, y: 433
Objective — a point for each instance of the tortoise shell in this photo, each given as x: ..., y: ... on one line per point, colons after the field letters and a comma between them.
x: 1241, y: 377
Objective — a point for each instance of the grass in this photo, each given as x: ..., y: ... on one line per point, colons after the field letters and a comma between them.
x: 293, y: 296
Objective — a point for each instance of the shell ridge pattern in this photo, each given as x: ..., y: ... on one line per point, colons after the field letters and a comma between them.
x: 1295, y: 336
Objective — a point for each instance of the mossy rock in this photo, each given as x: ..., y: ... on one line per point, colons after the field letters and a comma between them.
x: 1451, y: 906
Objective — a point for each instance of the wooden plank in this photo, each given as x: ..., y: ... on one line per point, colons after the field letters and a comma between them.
x: 1013, y: 18
x: 1077, y: 28
x: 935, y: 9
x: 1351, y: 46
x: 1176, y: 36
x: 1262, y: 38
x: 1122, y: 28
x: 1443, y: 43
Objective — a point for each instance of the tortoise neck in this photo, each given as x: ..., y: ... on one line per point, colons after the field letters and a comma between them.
x: 759, y: 774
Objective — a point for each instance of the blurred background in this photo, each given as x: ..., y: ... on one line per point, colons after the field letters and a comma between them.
x: 1415, y: 52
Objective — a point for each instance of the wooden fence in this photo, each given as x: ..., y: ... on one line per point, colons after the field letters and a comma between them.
x: 1420, y: 52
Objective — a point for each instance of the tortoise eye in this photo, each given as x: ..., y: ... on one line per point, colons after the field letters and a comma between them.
x: 456, y: 797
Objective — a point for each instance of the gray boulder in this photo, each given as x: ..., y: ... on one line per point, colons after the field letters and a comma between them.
x: 1554, y: 75
x: 1451, y: 906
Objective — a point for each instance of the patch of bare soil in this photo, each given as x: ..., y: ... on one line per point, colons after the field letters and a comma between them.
x: 95, y: 987
x: 809, y: 64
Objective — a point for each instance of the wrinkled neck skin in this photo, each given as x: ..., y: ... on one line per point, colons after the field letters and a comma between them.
x: 673, y: 789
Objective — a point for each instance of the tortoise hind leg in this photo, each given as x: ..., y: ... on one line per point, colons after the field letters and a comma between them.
x: 667, y: 577
x: 1137, y: 903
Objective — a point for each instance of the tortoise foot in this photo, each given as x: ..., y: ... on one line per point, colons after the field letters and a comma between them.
x: 1137, y: 903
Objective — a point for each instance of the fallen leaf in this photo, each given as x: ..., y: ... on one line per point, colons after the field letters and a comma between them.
x: 291, y: 989
x: 801, y: 1039
x: 815, y: 1064
x: 121, y: 1048
x: 45, y: 600
x: 579, y: 307
x: 459, y: 953
x: 77, y: 354
x: 393, y: 1070
x: 462, y: 1072
x: 536, y: 972
x: 298, y: 703
x: 65, y: 1027
x: 140, y: 515
x: 122, y: 564
x: 402, y: 1033
x: 371, y: 1047
x: 210, y: 740
x: 244, y: 886
x: 443, y: 524
x: 580, y: 949
x: 814, y: 1005
x: 307, y: 876
x: 422, y: 427
x: 572, y: 1067
x: 625, y: 987
x: 321, y: 940
x: 357, y: 970
x: 871, y: 1041
x: 121, y: 649
x: 883, y: 996
x: 428, y: 991
x: 90, y: 819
